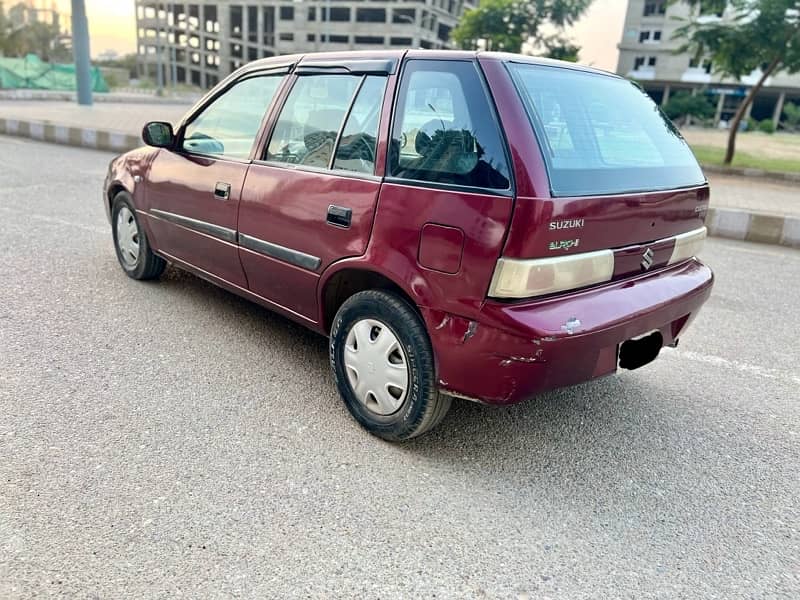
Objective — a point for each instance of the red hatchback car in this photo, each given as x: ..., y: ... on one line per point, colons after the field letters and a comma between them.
x: 482, y: 226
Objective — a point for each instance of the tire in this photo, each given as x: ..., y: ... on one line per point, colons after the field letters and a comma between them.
x: 130, y: 242
x: 367, y: 363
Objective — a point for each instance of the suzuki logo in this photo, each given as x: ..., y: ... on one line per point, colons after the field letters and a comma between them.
x: 647, y: 259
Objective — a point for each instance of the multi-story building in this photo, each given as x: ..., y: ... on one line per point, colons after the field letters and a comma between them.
x: 202, y: 41
x: 27, y: 12
x: 649, y: 53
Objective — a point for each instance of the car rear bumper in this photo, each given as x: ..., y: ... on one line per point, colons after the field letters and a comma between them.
x: 515, y: 350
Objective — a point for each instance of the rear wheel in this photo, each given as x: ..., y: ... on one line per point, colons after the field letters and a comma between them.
x: 383, y: 363
x: 130, y: 241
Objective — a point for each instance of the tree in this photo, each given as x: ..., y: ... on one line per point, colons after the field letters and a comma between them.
x: 560, y: 49
x: 5, y: 29
x: 37, y: 38
x: 34, y: 37
x: 683, y: 105
x: 760, y: 36
x: 124, y: 62
x: 506, y: 24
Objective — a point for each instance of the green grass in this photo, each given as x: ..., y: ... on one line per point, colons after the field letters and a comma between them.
x: 709, y: 155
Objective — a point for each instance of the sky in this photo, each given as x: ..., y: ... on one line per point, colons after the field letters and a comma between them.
x: 112, y: 26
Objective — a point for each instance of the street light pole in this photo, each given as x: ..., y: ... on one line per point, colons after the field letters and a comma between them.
x: 173, y: 62
x: 159, y: 57
x: 80, y: 50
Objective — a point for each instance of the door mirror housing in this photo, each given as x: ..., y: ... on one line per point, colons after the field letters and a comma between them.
x: 158, y: 134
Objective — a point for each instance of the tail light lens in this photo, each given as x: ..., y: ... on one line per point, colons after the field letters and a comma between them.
x: 514, y: 278
x: 688, y: 245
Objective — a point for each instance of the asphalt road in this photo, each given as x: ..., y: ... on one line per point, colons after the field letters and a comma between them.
x: 166, y: 439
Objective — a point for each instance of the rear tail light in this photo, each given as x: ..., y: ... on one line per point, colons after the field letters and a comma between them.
x: 514, y: 278
x: 528, y: 278
x: 688, y: 245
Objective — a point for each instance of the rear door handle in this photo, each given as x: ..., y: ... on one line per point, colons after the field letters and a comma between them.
x: 339, y: 216
x: 222, y: 190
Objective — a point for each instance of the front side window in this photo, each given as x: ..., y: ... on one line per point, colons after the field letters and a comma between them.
x: 444, y: 130
x: 228, y: 127
x: 312, y: 116
x: 601, y: 134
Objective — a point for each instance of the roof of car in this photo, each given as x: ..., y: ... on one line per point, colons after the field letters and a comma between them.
x: 333, y: 58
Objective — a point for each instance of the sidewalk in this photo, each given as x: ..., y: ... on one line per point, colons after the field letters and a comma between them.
x: 125, y: 118
x: 754, y: 193
x: 125, y: 96
x: 747, y: 208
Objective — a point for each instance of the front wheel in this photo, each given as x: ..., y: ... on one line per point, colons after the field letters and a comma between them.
x: 383, y: 363
x: 130, y: 241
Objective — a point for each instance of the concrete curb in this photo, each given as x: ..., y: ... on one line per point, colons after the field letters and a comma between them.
x: 107, y: 98
x: 730, y: 223
x: 765, y: 228
x: 82, y: 137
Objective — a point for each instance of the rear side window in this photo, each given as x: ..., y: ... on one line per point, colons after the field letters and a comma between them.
x: 312, y: 116
x: 356, y: 150
x: 444, y: 131
x: 601, y: 134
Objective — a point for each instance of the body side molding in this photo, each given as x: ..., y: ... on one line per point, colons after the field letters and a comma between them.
x: 223, y: 233
x: 294, y: 257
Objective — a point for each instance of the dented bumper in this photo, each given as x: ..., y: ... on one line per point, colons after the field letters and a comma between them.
x: 514, y: 351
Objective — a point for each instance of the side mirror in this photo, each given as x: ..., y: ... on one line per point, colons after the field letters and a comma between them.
x: 158, y: 134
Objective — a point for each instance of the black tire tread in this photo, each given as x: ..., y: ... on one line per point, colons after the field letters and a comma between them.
x: 435, y: 404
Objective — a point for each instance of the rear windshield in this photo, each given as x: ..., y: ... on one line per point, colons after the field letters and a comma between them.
x: 602, y: 134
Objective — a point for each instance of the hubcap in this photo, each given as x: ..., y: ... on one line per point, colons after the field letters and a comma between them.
x: 376, y: 366
x: 127, y: 237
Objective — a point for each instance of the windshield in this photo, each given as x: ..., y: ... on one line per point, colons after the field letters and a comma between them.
x: 602, y: 134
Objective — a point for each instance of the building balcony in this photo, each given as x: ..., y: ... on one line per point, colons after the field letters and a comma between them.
x: 696, y: 75
x: 643, y: 74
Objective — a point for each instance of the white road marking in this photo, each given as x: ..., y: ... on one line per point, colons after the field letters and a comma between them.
x: 735, y: 365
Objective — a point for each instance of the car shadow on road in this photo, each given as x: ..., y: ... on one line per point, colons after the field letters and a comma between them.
x: 607, y: 425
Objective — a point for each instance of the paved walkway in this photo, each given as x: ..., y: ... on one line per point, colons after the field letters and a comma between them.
x: 727, y: 191
x: 754, y: 194
x: 118, y: 117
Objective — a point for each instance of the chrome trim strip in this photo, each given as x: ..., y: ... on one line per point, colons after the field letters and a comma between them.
x: 694, y: 233
x: 700, y: 231
x: 450, y: 187
x: 320, y: 170
x: 223, y: 233
x: 294, y: 257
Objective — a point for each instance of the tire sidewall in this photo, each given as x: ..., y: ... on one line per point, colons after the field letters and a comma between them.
x: 419, y: 356
x: 123, y: 200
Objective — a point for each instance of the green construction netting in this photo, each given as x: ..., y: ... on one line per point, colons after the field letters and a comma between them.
x: 32, y: 73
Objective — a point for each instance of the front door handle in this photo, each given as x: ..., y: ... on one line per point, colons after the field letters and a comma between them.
x: 339, y: 216
x: 222, y: 191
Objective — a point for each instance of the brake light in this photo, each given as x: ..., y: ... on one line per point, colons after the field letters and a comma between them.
x: 515, y: 278
x: 688, y: 245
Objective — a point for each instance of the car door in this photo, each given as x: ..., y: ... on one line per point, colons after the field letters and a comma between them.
x: 310, y: 199
x: 193, y: 191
